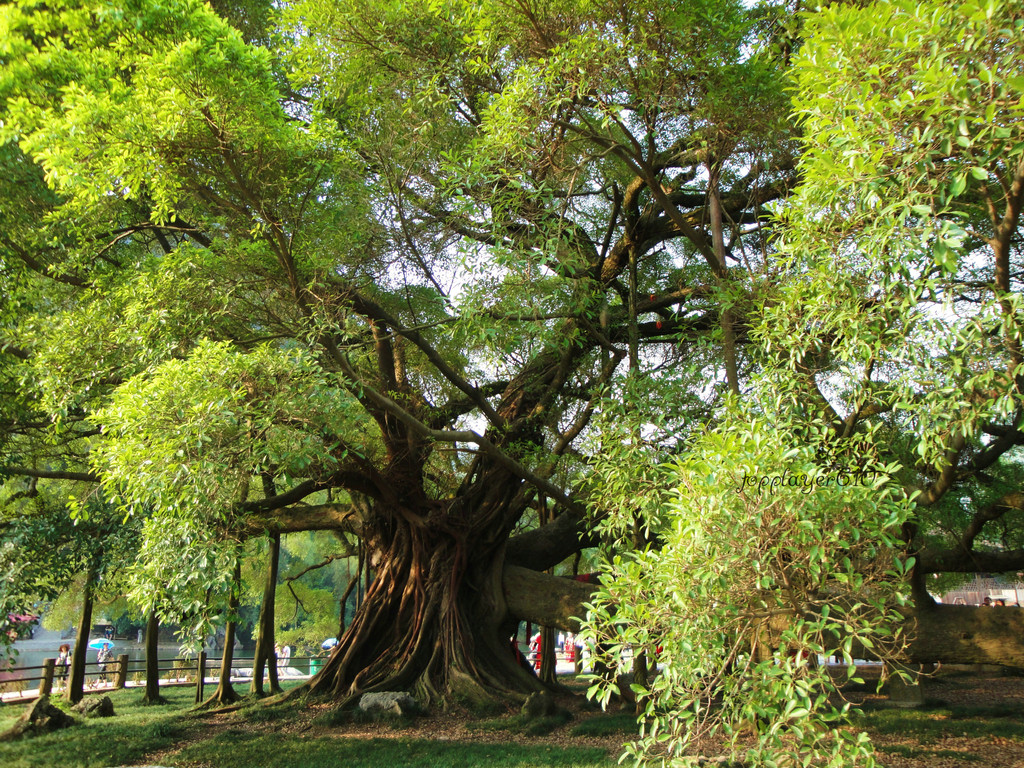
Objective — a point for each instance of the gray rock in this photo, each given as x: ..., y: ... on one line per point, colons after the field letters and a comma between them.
x: 41, y: 717
x: 96, y: 707
x: 539, y: 704
x: 397, y: 703
x: 905, y: 690
x: 904, y: 694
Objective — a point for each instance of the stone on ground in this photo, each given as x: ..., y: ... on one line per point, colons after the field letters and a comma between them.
x: 95, y: 707
x: 539, y: 704
x: 397, y: 703
x: 41, y: 717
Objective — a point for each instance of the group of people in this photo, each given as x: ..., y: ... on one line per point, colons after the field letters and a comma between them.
x: 284, y: 655
x: 566, y: 644
x: 999, y: 602
x: 105, y: 657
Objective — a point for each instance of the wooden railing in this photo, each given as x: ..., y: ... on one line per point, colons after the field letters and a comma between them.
x: 114, y: 676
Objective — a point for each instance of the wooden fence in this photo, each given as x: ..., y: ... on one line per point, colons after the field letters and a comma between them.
x: 114, y: 675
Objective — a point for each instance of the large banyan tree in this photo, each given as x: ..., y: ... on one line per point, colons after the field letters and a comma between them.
x: 407, y: 270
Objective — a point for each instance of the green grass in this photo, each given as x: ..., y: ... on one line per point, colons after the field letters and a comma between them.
x: 943, y: 722
x: 538, y: 726
x: 254, y: 738
x: 132, y: 733
x: 258, y: 712
x: 619, y: 724
x: 257, y: 735
x: 277, y: 751
x: 915, y: 752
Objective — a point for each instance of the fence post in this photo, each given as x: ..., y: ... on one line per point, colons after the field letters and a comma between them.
x: 200, y: 676
x: 46, y: 684
x: 122, y: 671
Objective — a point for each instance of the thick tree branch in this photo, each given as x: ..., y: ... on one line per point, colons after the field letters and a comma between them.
x: 987, y: 514
x: 40, y: 268
x: 969, y: 561
x: 991, y: 453
x: 376, y: 312
x: 937, y: 489
x: 550, y: 601
x: 321, y: 517
x: 545, y: 547
x: 11, y: 349
x: 445, y: 414
x: 296, y: 494
x: 48, y: 474
x: 444, y: 436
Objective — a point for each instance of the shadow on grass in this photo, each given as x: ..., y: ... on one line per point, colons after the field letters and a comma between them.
x: 339, y: 717
x: 259, y: 711
x: 917, y: 752
x: 619, y: 724
x: 939, y: 720
x: 232, y: 748
x: 130, y: 735
x: 534, y: 726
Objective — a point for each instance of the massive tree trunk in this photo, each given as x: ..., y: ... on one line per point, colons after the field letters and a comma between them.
x: 432, y: 622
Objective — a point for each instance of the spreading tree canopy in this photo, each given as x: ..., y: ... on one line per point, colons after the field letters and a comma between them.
x: 393, y: 260
x: 438, y: 273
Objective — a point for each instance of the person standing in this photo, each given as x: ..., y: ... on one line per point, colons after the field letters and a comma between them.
x: 535, y: 651
x: 62, y: 663
x: 104, y: 657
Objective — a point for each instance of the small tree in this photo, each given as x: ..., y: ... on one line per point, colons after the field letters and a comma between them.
x: 152, y: 659
x: 264, y: 655
x: 766, y: 561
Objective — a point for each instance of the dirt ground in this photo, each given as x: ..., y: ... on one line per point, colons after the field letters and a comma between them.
x: 971, y: 717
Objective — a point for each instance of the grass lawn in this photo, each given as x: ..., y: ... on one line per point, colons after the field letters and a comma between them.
x: 134, y: 732
x: 283, y: 736
x: 272, y: 751
x: 970, y: 720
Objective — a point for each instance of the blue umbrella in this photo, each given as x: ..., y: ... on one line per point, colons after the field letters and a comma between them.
x: 329, y: 643
x: 99, y: 642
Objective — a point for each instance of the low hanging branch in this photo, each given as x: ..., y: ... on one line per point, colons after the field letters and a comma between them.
x: 290, y: 579
x: 298, y: 603
x: 327, y: 561
x: 344, y: 599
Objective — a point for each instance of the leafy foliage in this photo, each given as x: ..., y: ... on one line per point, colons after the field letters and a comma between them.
x: 765, y: 562
x: 430, y: 268
x: 905, y: 227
